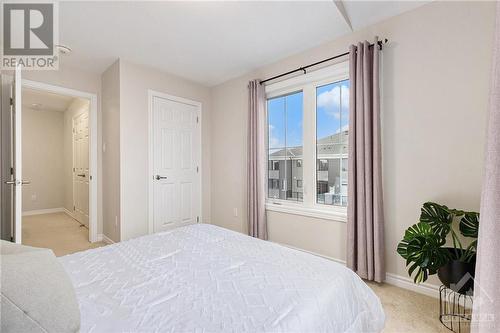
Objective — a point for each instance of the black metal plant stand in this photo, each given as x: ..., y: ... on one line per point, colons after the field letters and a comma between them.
x: 455, y: 309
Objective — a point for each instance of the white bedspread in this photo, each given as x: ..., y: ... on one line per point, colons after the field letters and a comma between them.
x: 203, y: 278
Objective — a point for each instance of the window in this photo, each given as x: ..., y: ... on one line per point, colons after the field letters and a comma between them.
x: 274, y: 165
x: 285, y: 145
x: 308, y: 122
x: 322, y: 165
x: 274, y: 184
x: 332, y: 127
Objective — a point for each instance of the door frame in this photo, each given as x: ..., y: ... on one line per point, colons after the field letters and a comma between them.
x: 17, y: 157
x: 93, y: 147
x: 151, y: 95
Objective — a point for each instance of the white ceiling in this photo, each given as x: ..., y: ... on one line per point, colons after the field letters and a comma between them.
x: 365, y: 13
x: 207, y: 42
x: 45, y: 101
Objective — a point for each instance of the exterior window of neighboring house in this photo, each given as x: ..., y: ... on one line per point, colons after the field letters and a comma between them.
x: 274, y: 165
x: 285, y: 115
x: 308, y: 123
x: 322, y: 165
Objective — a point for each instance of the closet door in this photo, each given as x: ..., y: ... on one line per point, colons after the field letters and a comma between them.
x: 176, y: 150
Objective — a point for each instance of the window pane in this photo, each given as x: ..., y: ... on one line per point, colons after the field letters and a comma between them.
x: 285, y: 115
x: 294, y: 143
x: 276, y: 137
x: 332, y: 126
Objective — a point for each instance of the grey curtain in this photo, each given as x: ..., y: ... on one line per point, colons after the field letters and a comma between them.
x: 486, y: 311
x: 365, y: 216
x: 257, y: 224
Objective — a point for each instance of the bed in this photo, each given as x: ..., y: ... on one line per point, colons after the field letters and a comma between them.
x: 202, y: 278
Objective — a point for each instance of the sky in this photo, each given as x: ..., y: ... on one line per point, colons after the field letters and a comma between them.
x: 286, y: 116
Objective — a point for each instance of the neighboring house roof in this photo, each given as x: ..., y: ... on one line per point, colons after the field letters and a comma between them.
x: 329, y: 146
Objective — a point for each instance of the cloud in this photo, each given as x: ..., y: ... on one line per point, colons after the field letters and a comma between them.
x: 273, y: 140
x: 330, y: 100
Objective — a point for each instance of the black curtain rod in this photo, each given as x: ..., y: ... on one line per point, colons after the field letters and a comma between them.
x: 304, y: 68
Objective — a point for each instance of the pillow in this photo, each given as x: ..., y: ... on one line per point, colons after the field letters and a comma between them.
x: 36, y: 293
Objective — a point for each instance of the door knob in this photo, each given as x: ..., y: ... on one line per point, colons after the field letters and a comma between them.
x: 25, y: 182
x: 10, y: 182
x: 158, y: 177
x: 81, y: 175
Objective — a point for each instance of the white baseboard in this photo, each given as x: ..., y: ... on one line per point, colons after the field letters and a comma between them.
x: 105, y: 239
x: 44, y: 211
x: 314, y: 253
x: 69, y: 213
x: 407, y: 283
x: 392, y: 279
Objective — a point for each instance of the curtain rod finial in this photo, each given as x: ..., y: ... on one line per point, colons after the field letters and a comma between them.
x: 382, y: 43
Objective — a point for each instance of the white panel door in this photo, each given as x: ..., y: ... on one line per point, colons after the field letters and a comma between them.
x: 176, y: 156
x: 81, y: 168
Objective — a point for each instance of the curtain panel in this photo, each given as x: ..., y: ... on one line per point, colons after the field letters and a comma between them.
x: 486, y: 308
x: 365, y: 216
x: 257, y: 161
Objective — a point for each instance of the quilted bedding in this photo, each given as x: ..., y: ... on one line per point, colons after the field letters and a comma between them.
x: 202, y: 278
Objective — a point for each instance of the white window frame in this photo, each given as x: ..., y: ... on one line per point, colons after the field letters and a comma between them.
x: 307, y: 83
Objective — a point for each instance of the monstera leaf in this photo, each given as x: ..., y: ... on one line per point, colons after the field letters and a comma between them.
x: 421, y: 247
x: 438, y: 217
x: 422, y: 244
x: 469, y: 224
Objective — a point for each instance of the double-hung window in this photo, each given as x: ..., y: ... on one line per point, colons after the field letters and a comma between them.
x: 307, y: 143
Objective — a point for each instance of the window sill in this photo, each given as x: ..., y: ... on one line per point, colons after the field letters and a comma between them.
x: 339, y: 215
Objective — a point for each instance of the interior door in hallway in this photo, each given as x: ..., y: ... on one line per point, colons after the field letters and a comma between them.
x: 176, y: 156
x: 81, y: 168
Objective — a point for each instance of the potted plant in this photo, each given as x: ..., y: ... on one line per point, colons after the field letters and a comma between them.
x: 423, y: 246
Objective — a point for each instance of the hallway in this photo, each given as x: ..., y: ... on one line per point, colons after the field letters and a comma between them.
x: 56, y: 231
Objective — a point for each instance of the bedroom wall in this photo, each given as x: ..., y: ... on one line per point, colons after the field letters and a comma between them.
x: 135, y: 80
x: 111, y: 151
x: 84, y: 81
x: 43, y: 158
x: 436, y: 72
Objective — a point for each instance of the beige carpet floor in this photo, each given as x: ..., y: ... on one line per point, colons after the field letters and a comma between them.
x: 58, y: 232
x: 406, y: 311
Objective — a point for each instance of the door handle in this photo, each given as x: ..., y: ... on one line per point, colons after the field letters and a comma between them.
x: 158, y: 177
x: 81, y: 175
x: 14, y: 182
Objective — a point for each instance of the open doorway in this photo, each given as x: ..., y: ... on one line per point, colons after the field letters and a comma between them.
x: 56, y: 162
